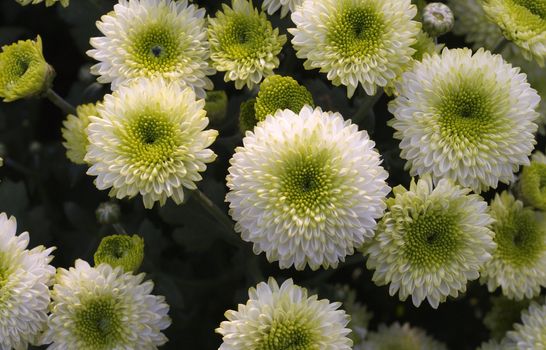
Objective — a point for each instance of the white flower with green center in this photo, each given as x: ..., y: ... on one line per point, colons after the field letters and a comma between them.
x: 519, y: 261
x: 400, y: 338
x: 285, y: 317
x: 47, y: 2
x: 523, y: 22
x: 431, y: 241
x: 278, y: 92
x: 149, y: 139
x: 101, y: 308
x: 153, y: 38
x: 470, y: 118
x: 272, y: 6
x: 74, y: 132
x: 532, y: 182
x: 23, y: 70
x: 531, y: 334
x: 503, y: 314
x: 306, y: 188
x: 244, y: 44
x: 365, y: 42
x: 25, y: 277
x: 121, y: 250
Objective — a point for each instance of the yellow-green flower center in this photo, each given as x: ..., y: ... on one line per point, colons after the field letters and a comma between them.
x: 5, y: 272
x: 243, y: 36
x: 536, y: 7
x: 287, y: 334
x: 356, y: 32
x: 98, y: 324
x: 155, y: 48
x: 277, y: 92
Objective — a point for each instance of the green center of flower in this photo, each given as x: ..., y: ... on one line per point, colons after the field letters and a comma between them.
x: 243, y: 36
x: 536, y: 7
x: 356, y: 32
x: 121, y: 250
x: 287, y: 334
x: 520, y: 241
x: 98, y: 324
x: 155, y: 48
x: 277, y: 92
x: 431, y: 240
x: 15, y: 65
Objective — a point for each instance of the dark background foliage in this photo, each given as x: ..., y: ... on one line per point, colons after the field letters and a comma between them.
x: 200, y: 272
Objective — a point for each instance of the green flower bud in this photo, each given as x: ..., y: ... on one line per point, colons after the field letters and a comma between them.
x: 247, y: 116
x: 75, y: 134
x: 121, y: 250
x: 216, y: 106
x: 437, y: 19
x: 108, y: 213
x: 23, y: 70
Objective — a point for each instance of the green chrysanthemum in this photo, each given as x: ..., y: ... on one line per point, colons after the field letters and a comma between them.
x: 75, y: 132
x: 503, y: 314
x: 121, y: 250
x: 431, y: 241
x: 216, y: 104
x: 531, y: 334
x: 247, y: 116
x: 366, y: 42
x: 23, y: 70
x: 519, y: 261
x: 277, y: 92
x: 532, y: 182
x: 396, y: 337
x: 523, y: 22
x: 244, y: 44
x: 47, y: 2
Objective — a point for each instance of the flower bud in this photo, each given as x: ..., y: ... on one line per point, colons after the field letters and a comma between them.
x: 121, y: 250
x: 108, y: 213
x: 437, y: 19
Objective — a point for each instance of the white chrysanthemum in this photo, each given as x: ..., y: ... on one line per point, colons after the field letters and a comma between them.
x: 531, y: 335
x: 365, y: 42
x: 523, y: 22
x: 25, y: 277
x: 285, y: 317
x: 306, y: 188
x: 400, y: 338
x: 150, y: 140
x: 153, y: 38
x: 470, y: 118
x: 272, y: 6
x: 519, y: 261
x: 74, y: 132
x: 104, y: 308
x: 47, y: 2
x: 431, y: 241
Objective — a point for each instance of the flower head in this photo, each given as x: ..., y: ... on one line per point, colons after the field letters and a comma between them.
x: 47, y: 2
x: 532, y: 182
x: 277, y: 92
x: 285, y: 317
x: 150, y: 140
x: 244, y: 44
x: 437, y: 18
x: 75, y: 132
x: 121, y: 250
x: 272, y: 6
x: 519, y: 260
x: 365, y: 42
x: 523, y: 22
x: 470, y: 118
x: 431, y: 241
x: 153, y: 38
x: 104, y: 308
x: 503, y: 314
x: 23, y: 70
x: 400, y: 337
x: 25, y: 277
x: 306, y: 188
x: 531, y: 333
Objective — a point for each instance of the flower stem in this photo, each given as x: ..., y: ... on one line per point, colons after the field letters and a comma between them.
x: 60, y: 102
x: 120, y: 230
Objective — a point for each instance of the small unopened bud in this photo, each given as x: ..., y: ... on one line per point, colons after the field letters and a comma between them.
x: 121, y: 250
x: 108, y: 213
x: 216, y: 106
x: 35, y: 147
x: 437, y: 19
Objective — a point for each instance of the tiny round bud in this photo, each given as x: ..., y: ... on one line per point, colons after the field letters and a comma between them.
x: 437, y: 19
x: 35, y: 147
x: 216, y: 106
x: 121, y: 250
x: 247, y: 116
x: 108, y: 213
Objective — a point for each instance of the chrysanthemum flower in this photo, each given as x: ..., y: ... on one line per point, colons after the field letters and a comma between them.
x: 532, y: 182
x: 121, y: 250
x: 277, y: 92
x: 531, y: 334
x: 153, y: 38
x: 244, y: 44
x: 519, y: 261
x: 75, y: 132
x: 105, y: 308
x: 523, y: 22
x: 285, y: 317
x: 47, y: 2
x: 306, y: 188
x: 400, y: 337
x: 150, y: 140
x: 437, y: 19
x: 365, y: 42
x: 470, y: 118
x: 23, y: 70
x: 272, y: 6
x: 503, y: 314
x: 431, y: 241
x: 25, y: 277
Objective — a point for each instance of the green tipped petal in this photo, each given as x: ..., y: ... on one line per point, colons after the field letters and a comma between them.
x: 75, y: 134
x: 121, y: 250
x: 247, y: 116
